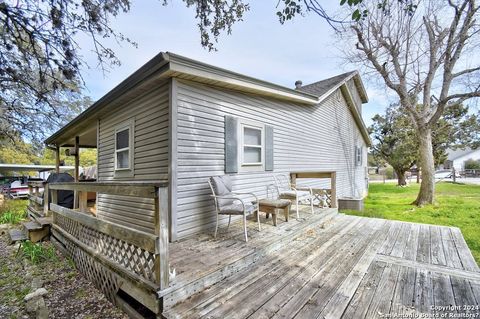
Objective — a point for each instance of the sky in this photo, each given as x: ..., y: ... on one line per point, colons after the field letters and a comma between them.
x: 259, y: 46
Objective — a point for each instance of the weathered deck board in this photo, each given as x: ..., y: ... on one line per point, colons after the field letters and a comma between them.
x: 297, y: 251
x: 403, y: 298
x: 336, y: 267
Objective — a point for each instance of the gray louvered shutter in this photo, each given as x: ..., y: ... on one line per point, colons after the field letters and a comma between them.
x: 268, y: 148
x: 231, y: 144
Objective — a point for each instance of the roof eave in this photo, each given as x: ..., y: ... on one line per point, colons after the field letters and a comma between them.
x: 360, y: 87
x: 203, y: 71
x: 356, y: 115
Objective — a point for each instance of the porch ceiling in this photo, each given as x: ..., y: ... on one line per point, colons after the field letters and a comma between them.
x: 87, y: 138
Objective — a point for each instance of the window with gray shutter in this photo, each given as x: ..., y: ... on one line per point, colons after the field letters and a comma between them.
x: 248, y: 146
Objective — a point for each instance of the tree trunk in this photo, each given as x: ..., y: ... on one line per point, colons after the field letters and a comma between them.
x: 427, y: 166
x: 401, y: 180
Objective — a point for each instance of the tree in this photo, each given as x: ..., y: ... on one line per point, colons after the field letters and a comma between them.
x: 394, y: 141
x: 88, y: 157
x: 395, y: 138
x: 472, y: 164
x: 40, y: 61
x: 457, y: 128
x: 16, y: 152
x: 421, y: 55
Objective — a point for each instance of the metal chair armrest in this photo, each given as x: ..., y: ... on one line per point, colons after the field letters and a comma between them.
x: 246, y: 193
x: 226, y: 196
x: 310, y: 189
x: 231, y: 197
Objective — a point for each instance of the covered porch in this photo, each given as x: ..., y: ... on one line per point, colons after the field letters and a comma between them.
x: 326, y: 265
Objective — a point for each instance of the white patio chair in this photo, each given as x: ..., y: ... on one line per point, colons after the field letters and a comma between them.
x: 287, y: 191
x: 230, y: 203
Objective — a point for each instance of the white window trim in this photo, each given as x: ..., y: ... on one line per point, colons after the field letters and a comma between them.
x: 126, y: 171
x: 260, y: 166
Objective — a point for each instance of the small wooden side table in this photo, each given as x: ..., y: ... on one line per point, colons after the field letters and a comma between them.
x: 274, y: 207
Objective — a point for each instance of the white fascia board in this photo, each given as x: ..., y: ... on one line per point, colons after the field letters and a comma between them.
x: 248, y: 84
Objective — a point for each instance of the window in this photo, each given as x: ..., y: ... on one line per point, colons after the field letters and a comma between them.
x: 124, y: 149
x: 251, y: 146
x: 248, y: 146
x: 358, y: 156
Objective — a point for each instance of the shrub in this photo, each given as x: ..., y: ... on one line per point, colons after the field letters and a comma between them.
x: 11, y: 218
x: 389, y: 173
x: 472, y: 164
x: 37, y: 252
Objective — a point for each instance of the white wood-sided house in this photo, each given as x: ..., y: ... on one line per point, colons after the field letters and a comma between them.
x: 171, y: 125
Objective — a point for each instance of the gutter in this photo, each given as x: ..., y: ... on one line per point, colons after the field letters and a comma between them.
x: 189, y: 66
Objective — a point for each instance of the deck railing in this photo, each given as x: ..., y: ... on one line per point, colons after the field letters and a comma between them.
x: 327, y: 194
x: 111, y: 255
x: 35, y: 205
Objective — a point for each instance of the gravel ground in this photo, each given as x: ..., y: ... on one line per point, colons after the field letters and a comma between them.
x: 70, y: 295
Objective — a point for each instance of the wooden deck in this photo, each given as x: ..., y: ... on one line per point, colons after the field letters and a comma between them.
x: 328, y: 265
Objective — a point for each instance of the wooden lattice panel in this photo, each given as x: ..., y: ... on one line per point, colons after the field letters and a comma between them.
x: 129, y: 256
x: 100, y: 276
x: 323, y: 195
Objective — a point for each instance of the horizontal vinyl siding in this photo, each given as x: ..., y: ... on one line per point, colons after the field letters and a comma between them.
x: 150, y: 115
x: 305, y: 138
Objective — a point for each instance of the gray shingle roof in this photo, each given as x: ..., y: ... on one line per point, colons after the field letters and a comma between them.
x: 321, y: 87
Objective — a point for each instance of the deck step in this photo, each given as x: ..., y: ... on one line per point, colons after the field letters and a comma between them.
x: 36, y: 231
x: 35, y: 213
x: 181, y: 290
x: 17, y: 235
x: 32, y: 225
x: 44, y: 221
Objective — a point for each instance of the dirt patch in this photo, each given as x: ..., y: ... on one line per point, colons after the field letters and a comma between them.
x: 70, y: 295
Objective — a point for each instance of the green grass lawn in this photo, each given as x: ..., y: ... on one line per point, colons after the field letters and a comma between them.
x: 13, y: 211
x: 457, y: 205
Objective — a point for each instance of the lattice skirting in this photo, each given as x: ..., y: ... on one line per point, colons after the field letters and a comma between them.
x: 104, y: 279
x: 134, y: 259
x: 322, y: 197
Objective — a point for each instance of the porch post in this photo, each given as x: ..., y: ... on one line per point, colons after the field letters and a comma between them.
x: 46, y: 208
x: 76, y: 172
x: 333, y: 187
x: 77, y: 158
x: 57, y: 159
x: 161, y: 231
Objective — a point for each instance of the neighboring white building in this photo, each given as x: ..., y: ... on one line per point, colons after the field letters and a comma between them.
x: 457, y: 158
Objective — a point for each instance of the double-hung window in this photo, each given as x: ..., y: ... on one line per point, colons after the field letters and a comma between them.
x: 124, y: 149
x: 252, y: 145
x: 248, y: 146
